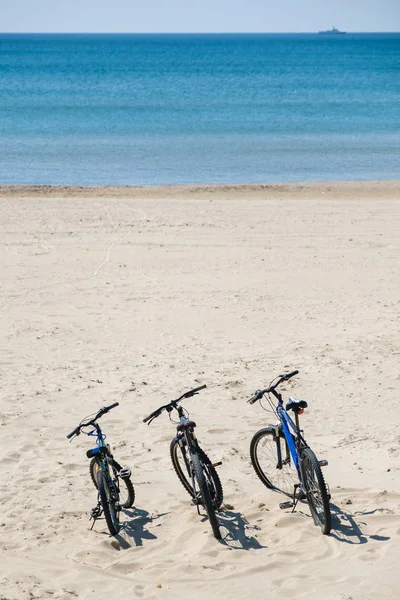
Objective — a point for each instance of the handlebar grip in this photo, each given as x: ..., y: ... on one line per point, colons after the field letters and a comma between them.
x: 107, y: 408
x: 292, y: 374
x: 153, y: 415
x: 199, y: 388
x: 76, y: 431
x: 256, y: 397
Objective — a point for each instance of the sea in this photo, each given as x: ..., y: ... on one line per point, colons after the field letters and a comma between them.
x: 152, y: 109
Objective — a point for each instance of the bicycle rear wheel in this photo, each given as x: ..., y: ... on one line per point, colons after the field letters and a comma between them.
x: 205, y: 486
x: 316, y: 491
x: 180, y: 461
x: 124, y: 485
x: 264, y: 451
x: 111, y: 513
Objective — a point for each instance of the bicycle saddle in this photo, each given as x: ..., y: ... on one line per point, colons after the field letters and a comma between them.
x: 186, y: 425
x: 297, y: 406
x: 99, y: 450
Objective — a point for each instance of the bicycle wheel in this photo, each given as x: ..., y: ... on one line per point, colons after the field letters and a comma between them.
x: 108, y: 502
x: 201, y: 476
x: 264, y: 457
x: 94, y: 467
x: 180, y: 461
x: 124, y: 485
x: 316, y: 491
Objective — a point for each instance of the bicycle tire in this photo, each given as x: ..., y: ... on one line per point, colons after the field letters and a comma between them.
x: 181, y: 470
x: 110, y: 513
x: 127, y: 497
x: 204, y: 489
x: 316, y: 490
x: 264, y: 458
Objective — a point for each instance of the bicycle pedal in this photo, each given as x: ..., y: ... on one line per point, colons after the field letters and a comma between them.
x: 124, y: 473
x: 95, y: 512
x: 284, y: 505
x: 323, y: 463
x: 217, y: 464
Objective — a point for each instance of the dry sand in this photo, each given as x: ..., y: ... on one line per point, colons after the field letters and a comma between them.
x: 138, y: 294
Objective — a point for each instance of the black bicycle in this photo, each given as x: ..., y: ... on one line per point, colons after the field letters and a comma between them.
x: 193, y: 467
x: 113, y: 483
x: 283, y: 460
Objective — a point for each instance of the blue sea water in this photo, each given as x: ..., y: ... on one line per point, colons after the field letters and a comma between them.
x: 159, y: 109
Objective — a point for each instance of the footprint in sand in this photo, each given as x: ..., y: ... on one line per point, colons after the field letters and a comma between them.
x: 219, y: 431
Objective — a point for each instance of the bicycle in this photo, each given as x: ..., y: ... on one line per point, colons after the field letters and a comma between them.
x: 283, y: 460
x: 106, y: 474
x: 192, y: 466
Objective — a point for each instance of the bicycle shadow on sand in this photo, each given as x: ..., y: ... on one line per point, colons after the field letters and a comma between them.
x: 236, y: 531
x: 134, y: 530
x: 346, y: 526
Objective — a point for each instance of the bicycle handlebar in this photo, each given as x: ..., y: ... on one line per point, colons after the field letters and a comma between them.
x: 260, y: 393
x: 171, y: 404
x: 99, y: 414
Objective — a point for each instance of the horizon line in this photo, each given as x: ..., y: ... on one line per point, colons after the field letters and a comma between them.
x: 186, y: 32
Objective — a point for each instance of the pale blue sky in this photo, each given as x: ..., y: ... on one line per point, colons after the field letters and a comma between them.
x: 197, y: 15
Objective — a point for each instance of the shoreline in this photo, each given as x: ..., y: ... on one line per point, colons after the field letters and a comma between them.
x: 373, y: 187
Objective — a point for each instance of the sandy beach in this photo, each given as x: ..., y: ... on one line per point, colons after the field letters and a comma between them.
x: 136, y: 295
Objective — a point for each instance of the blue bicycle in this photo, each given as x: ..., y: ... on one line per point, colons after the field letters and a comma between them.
x: 113, y: 483
x: 283, y: 460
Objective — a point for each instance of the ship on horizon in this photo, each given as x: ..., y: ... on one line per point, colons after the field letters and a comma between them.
x: 333, y: 31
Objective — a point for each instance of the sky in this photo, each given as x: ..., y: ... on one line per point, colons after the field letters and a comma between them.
x: 192, y: 16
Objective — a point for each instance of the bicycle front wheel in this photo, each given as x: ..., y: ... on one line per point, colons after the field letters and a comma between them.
x: 316, y: 491
x: 180, y: 461
x: 124, y: 485
x: 205, y: 486
x: 110, y: 511
x: 265, y: 449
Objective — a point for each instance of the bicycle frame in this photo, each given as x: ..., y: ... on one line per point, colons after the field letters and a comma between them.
x: 97, y: 432
x: 288, y: 425
x: 187, y: 435
x: 103, y: 459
